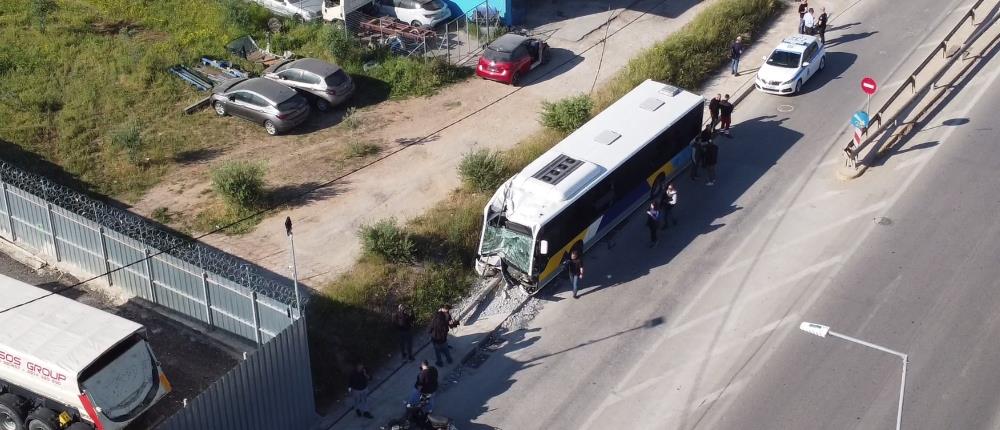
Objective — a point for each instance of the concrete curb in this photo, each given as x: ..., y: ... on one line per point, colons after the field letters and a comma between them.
x: 22, y: 255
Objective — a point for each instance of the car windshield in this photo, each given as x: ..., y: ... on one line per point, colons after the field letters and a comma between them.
x: 124, y: 381
x: 514, y: 247
x: 432, y: 4
x: 337, y: 79
x: 784, y: 59
x: 495, y: 55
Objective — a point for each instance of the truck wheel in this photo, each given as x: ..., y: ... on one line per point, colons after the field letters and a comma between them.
x: 12, y: 411
x: 43, y: 419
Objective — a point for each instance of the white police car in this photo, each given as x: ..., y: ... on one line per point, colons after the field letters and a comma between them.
x: 791, y: 64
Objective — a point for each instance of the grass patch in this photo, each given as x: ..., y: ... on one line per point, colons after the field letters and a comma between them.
x: 350, y: 317
x: 359, y: 149
x: 567, y: 114
x: 162, y: 215
x: 240, y: 184
x: 85, y: 86
x: 386, y: 239
x: 483, y: 170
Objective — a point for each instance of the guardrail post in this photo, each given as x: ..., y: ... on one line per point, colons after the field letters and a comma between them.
x: 104, y: 251
x: 208, y: 299
x: 149, y: 275
x: 52, y: 231
x: 10, y: 214
x: 256, y: 318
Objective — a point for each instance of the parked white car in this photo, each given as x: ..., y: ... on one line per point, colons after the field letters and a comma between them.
x: 791, y: 64
x: 304, y: 10
x: 418, y: 13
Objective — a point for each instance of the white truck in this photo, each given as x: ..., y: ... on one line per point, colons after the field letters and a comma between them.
x: 310, y: 10
x: 68, y: 366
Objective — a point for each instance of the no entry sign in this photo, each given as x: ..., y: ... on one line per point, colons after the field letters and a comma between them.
x: 868, y: 85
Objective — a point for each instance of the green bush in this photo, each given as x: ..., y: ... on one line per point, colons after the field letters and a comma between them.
x: 437, y: 285
x: 246, y: 17
x: 567, y: 114
x: 240, y: 183
x: 388, y: 240
x: 128, y: 137
x: 358, y: 149
x: 483, y: 170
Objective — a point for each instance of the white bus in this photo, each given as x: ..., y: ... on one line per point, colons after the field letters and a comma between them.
x: 66, y: 365
x: 576, y: 192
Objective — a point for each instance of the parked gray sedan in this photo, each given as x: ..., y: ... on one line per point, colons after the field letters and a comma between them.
x: 275, y: 106
x: 327, y: 84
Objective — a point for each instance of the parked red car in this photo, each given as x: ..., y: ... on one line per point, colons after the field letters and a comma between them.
x: 509, y: 57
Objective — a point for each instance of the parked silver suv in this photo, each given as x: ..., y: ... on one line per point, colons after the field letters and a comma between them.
x: 327, y: 84
x: 262, y: 101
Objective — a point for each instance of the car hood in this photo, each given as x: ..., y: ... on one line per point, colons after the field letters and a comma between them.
x: 768, y: 72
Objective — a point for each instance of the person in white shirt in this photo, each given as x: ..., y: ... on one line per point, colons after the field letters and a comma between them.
x: 809, y: 21
x: 667, y: 203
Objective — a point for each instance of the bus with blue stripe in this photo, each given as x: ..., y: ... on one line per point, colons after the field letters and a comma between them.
x: 584, y: 186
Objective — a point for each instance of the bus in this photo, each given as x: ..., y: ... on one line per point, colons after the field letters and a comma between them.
x: 66, y: 365
x: 573, y: 194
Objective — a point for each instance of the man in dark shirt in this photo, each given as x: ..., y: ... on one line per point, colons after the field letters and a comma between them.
x: 711, y: 159
x: 735, y: 52
x: 441, y: 323
x: 574, y: 266
x: 357, y: 386
x: 803, y: 8
x: 426, y: 385
x: 404, y: 326
x: 821, y: 25
x: 726, y: 114
x: 713, y: 108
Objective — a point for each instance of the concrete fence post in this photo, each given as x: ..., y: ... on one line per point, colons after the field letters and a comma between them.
x: 10, y: 214
x: 52, y: 231
x: 104, y: 253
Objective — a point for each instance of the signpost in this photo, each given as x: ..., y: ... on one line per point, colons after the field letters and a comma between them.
x: 869, y: 87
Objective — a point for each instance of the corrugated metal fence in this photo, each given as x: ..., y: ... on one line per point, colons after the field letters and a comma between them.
x: 165, y: 278
x: 270, y: 390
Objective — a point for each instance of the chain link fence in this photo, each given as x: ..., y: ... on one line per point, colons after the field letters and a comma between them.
x: 142, y: 259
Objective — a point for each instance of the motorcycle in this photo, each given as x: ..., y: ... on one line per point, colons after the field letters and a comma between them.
x: 417, y: 418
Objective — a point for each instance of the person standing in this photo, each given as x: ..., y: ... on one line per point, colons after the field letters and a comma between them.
x: 713, y: 108
x: 426, y: 385
x: 803, y: 8
x: 711, y: 159
x: 735, y: 51
x: 821, y: 25
x: 574, y: 266
x: 809, y: 21
x: 697, y: 149
x: 726, y: 114
x: 652, y: 222
x: 667, y: 203
x: 357, y: 387
x: 441, y: 323
x: 404, y: 326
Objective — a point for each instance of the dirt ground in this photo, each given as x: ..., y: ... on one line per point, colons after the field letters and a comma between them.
x: 406, y: 183
x: 190, y: 360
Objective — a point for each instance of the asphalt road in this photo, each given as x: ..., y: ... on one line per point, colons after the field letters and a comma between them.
x: 701, y: 331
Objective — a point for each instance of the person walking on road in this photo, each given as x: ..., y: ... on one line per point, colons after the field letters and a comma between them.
x: 698, y: 148
x: 809, y: 21
x: 574, y: 266
x: 441, y: 323
x: 726, y: 114
x: 821, y: 25
x: 667, y: 203
x: 357, y: 387
x: 426, y: 386
x: 653, y: 223
x: 403, y: 319
x: 735, y: 51
x: 711, y: 159
x: 803, y: 8
x: 713, y: 108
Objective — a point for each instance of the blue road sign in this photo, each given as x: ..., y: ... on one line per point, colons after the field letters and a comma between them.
x: 860, y: 119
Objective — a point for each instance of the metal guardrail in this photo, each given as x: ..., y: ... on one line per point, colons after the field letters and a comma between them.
x: 881, y: 119
x: 100, y: 240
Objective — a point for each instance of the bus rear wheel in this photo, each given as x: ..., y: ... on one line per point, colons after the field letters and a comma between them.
x: 43, y: 419
x: 12, y: 411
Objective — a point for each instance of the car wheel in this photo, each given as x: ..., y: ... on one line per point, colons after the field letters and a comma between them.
x: 822, y: 63
x: 220, y: 109
x: 798, y: 86
x: 322, y: 105
x: 515, y: 79
x: 270, y: 128
x: 416, y: 23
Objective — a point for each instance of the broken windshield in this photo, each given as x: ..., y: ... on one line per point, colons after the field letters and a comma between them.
x: 514, y: 247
